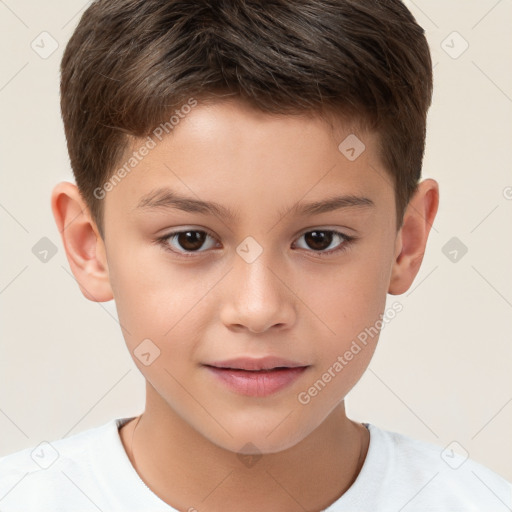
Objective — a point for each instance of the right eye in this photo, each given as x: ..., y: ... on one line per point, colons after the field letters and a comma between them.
x: 185, y: 242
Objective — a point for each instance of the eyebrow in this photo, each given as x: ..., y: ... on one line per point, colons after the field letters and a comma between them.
x: 165, y: 198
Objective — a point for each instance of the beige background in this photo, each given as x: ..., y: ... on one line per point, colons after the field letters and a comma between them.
x: 441, y: 372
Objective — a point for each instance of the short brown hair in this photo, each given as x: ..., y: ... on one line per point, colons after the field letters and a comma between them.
x: 130, y: 63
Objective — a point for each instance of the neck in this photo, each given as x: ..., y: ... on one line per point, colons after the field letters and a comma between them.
x: 187, y: 471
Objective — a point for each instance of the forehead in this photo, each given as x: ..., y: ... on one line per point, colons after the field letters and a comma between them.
x: 236, y: 156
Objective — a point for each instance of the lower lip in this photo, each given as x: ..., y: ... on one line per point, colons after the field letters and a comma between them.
x: 253, y: 383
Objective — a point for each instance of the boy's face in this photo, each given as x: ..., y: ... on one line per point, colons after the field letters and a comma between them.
x: 257, y: 284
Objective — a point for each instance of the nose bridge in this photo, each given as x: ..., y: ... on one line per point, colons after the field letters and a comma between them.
x: 257, y: 298
x: 257, y: 278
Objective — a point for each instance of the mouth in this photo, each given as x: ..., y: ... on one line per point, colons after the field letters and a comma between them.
x: 256, y: 377
x: 256, y: 364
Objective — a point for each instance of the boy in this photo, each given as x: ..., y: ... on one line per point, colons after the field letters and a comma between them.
x: 288, y: 137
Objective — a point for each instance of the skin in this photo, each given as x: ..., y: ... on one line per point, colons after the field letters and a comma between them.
x: 289, y: 302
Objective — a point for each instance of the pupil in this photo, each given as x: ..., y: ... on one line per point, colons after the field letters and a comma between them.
x: 318, y: 239
x: 191, y: 240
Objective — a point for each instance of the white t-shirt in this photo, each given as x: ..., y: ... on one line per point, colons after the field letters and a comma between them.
x: 90, y: 471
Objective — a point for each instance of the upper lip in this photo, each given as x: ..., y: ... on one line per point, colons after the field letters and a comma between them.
x: 259, y: 363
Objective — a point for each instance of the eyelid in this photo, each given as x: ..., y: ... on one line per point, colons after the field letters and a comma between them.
x: 334, y: 229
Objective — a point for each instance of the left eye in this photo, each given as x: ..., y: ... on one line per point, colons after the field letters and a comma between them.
x: 321, y: 239
x: 190, y: 241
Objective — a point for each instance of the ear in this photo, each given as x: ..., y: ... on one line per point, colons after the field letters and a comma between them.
x: 412, y: 236
x: 82, y: 242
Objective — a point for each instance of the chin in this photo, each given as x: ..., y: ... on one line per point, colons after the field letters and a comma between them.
x: 257, y: 437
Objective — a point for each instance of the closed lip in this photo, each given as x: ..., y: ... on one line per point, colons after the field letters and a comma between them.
x: 255, y: 364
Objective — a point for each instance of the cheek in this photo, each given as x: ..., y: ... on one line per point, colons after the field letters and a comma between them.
x: 348, y: 299
x: 350, y: 304
x: 165, y: 303
x: 350, y: 310
x: 153, y: 298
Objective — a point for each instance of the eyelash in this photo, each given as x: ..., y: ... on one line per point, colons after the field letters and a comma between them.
x: 344, y: 246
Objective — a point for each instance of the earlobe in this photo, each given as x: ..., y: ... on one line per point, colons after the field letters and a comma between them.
x: 413, y: 235
x: 83, y: 245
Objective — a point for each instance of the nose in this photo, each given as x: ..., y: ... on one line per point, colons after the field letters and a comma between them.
x: 258, y: 297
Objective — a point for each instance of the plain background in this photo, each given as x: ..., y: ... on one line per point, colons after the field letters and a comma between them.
x: 441, y: 372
